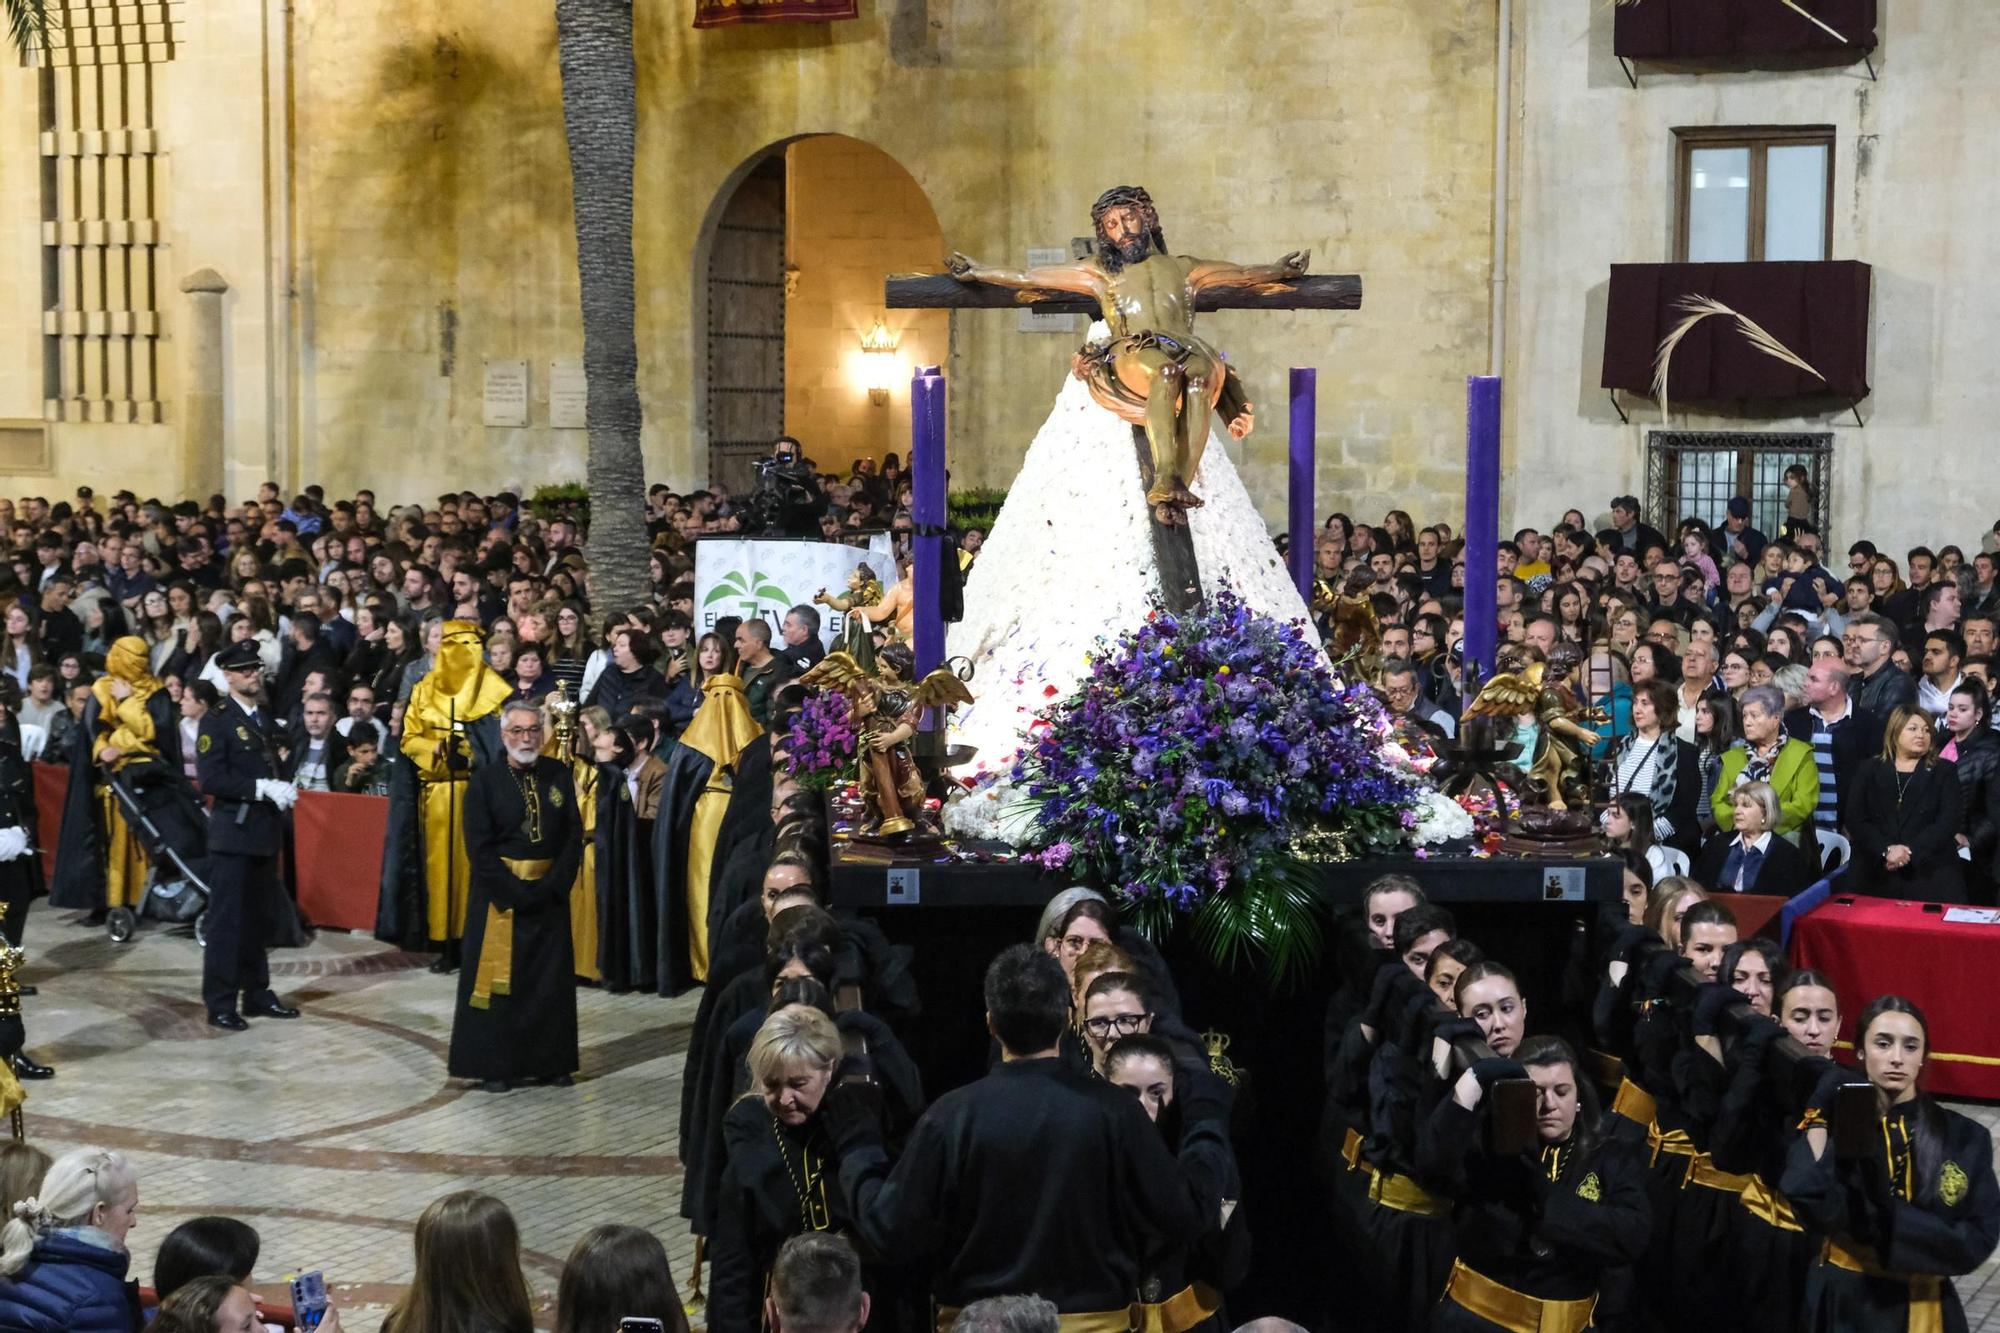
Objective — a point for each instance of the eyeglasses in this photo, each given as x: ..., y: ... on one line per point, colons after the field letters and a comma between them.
x: 520, y: 731
x: 1077, y: 943
x: 1123, y: 1024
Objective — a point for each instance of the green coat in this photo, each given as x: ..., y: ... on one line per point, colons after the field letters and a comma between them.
x: 1795, y: 777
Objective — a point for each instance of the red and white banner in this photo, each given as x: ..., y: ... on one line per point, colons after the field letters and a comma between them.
x: 723, y: 13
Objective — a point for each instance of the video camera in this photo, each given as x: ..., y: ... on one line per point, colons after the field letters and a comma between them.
x: 787, y: 500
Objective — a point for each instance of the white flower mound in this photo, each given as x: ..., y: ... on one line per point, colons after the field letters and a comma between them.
x: 1069, y: 563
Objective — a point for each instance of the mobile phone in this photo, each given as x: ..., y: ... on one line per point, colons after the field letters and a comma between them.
x: 309, y: 1298
x: 633, y: 1323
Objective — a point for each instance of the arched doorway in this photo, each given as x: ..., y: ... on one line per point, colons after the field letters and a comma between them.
x: 788, y: 286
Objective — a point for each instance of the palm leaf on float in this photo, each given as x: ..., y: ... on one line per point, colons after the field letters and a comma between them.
x: 1699, y: 308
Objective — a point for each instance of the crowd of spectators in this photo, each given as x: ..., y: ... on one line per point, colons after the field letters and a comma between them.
x: 1761, y: 712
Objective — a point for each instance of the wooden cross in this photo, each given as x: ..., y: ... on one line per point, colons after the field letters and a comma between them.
x: 1173, y: 546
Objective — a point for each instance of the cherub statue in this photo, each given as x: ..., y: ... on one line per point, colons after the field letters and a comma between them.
x: 864, y: 589
x: 884, y: 709
x: 1559, y: 771
x: 1154, y: 372
x: 1350, y: 617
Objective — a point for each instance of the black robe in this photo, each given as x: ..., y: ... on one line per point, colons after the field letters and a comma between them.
x: 624, y: 883
x: 1034, y: 1179
x: 727, y: 1078
x: 400, y: 910
x: 760, y: 1208
x: 527, y: 1030
x: 660, y: 959
x: 1547, y: 1226
x: 1934, y: 1229
x: 21, y: 878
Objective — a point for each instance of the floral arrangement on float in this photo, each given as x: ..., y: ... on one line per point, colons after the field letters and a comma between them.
x: 821, y: 745
x: 1202, y: 766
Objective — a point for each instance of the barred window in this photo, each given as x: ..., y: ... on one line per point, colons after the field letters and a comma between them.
x: 1694, y: 474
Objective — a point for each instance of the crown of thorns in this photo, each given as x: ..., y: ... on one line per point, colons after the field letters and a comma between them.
x: 1121, y: 196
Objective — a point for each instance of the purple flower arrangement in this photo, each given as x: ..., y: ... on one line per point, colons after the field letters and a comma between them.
x: 1196, y: 760
x: 821, y: 745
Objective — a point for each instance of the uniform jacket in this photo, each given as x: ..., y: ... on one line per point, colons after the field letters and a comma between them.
x: 232, y: 751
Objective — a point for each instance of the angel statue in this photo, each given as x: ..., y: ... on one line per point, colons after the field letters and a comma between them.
x: 1550, y: 723
x: 1352, y: 626
x: 884, y: 709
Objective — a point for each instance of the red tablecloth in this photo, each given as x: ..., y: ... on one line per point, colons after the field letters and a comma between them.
x: 1881, y: 946
x: 337, y: 857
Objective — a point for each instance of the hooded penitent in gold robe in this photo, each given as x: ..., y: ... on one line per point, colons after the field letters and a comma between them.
x: 128, y: 726
x: 453, y: 710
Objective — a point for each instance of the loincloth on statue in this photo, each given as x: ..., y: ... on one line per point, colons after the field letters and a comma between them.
x: 1097, y: 367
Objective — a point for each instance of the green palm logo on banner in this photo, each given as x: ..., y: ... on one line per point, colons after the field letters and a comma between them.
x: 753, y: 593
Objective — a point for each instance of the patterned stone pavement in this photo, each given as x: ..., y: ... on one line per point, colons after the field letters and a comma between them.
x: 331, y: 1133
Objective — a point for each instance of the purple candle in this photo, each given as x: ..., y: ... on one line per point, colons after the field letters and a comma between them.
x: 927, y: 511
x: 1305, y: 382
x: 1482, y: 525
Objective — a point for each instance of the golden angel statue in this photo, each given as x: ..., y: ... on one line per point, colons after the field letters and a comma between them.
x: 1552, y: 725
x: 885, y: 708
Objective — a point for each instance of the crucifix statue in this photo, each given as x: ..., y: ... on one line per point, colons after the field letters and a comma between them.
x: 1153, y: 371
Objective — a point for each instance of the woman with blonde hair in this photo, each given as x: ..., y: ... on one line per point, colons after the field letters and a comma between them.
x: 63, y: 1252
x: 468, y: 1275
x: 780, y: 1177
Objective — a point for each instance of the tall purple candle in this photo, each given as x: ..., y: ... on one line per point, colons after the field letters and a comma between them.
x: 1305, y: 384
x: 927, y: 511
x: 1482, y: 523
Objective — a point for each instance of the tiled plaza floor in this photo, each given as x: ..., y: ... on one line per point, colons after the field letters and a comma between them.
x: 331, y: 1133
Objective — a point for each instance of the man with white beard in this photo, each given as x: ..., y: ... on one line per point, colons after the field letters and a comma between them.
x: 516, y: 1019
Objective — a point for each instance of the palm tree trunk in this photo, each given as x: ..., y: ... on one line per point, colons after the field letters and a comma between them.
x: 600, y: 118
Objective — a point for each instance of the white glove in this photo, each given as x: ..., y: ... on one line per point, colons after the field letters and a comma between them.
x: 13, y: 843
x: 279, y: 793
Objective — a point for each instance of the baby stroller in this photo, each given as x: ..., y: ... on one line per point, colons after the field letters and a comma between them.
x: 163, y: 814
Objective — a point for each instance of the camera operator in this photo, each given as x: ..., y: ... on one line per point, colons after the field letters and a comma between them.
x: 787, y: 501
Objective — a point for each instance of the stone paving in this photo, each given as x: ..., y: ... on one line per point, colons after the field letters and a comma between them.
x: 331, y: 1133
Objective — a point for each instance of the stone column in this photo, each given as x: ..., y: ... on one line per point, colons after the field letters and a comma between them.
x: 203, y: 394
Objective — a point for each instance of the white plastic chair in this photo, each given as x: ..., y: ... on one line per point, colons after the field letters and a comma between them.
x: 1833, y: 851
x: 1677, y: 861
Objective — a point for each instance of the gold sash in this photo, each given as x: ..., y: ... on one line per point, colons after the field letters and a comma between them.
x: 1769, y: 1206
x: 1605, y: 1067
x: 496, y: 949
x: 1701, y: 1171
x: 1350, y: 1150
x: 1405, y: 1195
x: 1634, y: 1103
x: 1926, y: 1290
x: 1673, y: 1142
x: 1180, y: 1312
x: 1514, y: 1310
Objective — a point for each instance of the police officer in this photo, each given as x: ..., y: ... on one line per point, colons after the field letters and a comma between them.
x: 238, y: 766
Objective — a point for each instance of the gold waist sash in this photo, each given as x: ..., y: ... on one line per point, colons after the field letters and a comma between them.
x: 1702, y: 1171
x: 1926, y: 1290
x: 1405, y: 1195
x: 1350, y: 1150
x: 1635, y: 1103
x: 1514, y: 1310
x: 1769, y: 1206
x: 1180, y: 1312
x: 1673, y: 1142
x: 496, y: 950
x: 1605, y: 1067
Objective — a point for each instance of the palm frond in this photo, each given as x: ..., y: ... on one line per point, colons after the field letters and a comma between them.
x: 1272, y: 920
x: 1813, y: 19
x: 28, y: 25
x: 1699, y: 308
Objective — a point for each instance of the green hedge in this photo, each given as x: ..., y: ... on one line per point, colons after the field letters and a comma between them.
x: 974, y: 508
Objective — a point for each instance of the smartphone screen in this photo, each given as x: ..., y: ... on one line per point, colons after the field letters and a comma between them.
x: 640, y: 1324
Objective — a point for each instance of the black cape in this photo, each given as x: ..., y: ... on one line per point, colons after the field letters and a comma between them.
x: 399, y: 911
x: 624, y: 884
x: 660, y: 927
x: 528, y: 1030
